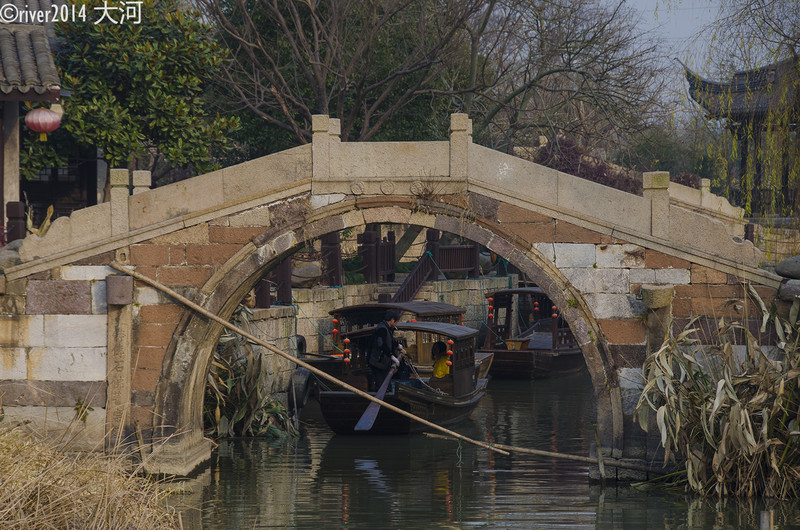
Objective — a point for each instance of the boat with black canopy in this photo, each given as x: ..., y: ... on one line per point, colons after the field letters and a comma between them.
x: 352, y: 327
x: 546, y: 347
x: 444, y: 401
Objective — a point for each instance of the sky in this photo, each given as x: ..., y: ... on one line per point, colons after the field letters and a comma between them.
x: 680, y: 24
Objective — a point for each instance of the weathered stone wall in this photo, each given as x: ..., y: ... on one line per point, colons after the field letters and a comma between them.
x: 53, y: 352
x: 276, y: 326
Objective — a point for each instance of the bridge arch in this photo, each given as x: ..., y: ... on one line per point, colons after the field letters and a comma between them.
x: 181, y: 387
x: 590, y: 247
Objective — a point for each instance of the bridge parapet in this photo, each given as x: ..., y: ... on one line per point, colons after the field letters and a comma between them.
x: 678, y: 220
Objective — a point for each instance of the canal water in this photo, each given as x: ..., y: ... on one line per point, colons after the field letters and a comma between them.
x: 322, y: 480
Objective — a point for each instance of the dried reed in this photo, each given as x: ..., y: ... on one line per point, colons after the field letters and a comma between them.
x: 44, y: 487
x: 730, y: 413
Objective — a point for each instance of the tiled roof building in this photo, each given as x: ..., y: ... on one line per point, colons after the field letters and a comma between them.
x: 27, y: 73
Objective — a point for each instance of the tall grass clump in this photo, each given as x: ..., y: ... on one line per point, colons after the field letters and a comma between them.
x: 730, y: 414
x: 42, y: 486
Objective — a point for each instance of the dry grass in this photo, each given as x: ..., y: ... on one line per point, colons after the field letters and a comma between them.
x: 733, y: 419
x: 42, y: 487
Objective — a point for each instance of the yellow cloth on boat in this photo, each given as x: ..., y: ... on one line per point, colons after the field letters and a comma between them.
x: 440, y: 368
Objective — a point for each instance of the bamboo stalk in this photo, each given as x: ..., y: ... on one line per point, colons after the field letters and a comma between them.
x: 188, y: 303
x: 565, y: 456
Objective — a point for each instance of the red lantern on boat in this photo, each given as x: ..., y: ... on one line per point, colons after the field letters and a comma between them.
x: 42, y: 121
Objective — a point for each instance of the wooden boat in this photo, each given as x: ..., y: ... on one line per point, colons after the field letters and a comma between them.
x: 350, y: 335
x: 546, y: 348
x: 443, y: 401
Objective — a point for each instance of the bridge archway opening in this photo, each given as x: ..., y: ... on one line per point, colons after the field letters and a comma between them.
x: 181, y: 388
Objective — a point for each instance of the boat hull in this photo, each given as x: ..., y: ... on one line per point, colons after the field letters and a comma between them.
x: 535, y: 364
x: 342, y: 410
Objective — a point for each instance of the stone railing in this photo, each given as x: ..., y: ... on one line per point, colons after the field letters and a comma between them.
x: 672, y: 215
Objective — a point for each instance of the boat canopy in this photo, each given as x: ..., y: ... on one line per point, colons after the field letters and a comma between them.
x: 373, y: 312
x: 453, y: 331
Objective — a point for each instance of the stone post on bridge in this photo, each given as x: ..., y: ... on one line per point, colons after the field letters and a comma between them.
x: 460, y: 138
x: 120, y: 191
x: 656, y: 188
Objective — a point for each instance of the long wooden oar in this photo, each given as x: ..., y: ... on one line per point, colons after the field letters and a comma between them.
x: 367, y: 419
x: 188, y: 303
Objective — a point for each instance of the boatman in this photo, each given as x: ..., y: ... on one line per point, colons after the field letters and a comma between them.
x: 384, y: 350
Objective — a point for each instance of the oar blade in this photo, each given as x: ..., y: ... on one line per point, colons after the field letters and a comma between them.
x: 367, y: 419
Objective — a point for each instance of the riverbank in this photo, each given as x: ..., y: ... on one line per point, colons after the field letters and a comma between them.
x: 42, y: 486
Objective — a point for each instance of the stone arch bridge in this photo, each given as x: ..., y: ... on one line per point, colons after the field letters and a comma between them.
x: 610, y: 259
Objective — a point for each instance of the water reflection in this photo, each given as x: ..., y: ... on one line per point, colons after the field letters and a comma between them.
x: 327, y: 481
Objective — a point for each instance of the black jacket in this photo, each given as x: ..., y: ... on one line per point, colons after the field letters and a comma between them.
x: 382, y: 347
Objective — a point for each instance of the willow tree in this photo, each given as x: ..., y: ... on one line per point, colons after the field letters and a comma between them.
x: 755, y: 48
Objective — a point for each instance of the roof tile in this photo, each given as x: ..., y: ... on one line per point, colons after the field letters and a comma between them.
x: 27, y: 69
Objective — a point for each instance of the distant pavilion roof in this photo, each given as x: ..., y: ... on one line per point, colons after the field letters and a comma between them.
x: 27, y: 69
x: 750, y: 94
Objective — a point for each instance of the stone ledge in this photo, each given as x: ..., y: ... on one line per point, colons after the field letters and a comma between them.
x: 178, y: 456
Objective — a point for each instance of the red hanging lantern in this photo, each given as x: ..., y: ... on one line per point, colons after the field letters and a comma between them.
x: 346, y: 360
x: 335, y: 321
x: 449, y: 352
x: 42, y: 121
x: 449, y: 363
x: 334, y: 331
x: 346, y: 340
x: 450, y: 342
